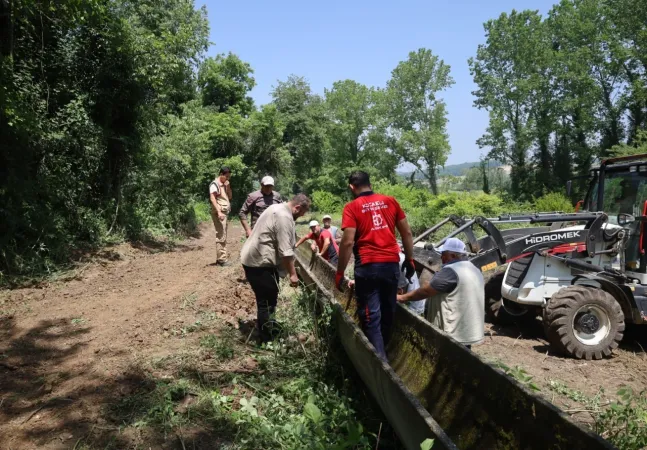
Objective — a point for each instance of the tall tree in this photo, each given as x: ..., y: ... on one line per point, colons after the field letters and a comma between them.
x: 506, y: 75
x: 357, y: 129
x: 303, y: 115
x: 266, y: 152
x: 418, y: 116
x: 629, y: 47
x: 225, y: 82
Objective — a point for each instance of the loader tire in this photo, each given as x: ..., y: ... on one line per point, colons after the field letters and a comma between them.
x: 495, y: 311
x: 583, y: 322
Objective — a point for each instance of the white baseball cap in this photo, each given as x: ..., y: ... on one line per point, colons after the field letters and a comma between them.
x: 453, y: 245
x: 267, y: 181
x: 326, y: 217
x: 313, y: 223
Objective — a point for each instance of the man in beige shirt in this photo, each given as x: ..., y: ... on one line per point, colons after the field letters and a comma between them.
x: 268, y: 248
x: 220, y: 198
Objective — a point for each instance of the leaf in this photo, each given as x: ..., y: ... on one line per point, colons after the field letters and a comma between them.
x: 312, y: 412
x: 427, y: 444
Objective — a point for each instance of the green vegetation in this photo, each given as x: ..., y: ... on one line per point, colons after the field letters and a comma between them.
x: 289, y: 394
x: 621, y: 422
x: 519, y: 374
x: 562, y: 90
x: 114, y: 122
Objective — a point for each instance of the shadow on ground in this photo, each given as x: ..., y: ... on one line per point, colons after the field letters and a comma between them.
x: 43, y: 405
x: 52, y: 396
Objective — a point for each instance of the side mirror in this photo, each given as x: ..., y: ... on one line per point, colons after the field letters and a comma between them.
x: 625, y: 219
x: 569, y: 187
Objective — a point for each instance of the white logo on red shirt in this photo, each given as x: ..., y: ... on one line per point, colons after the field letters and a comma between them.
x: 377, y: 220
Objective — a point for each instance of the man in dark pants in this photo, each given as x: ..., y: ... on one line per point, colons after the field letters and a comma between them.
x: 268, y: 251
x: 368, y: 225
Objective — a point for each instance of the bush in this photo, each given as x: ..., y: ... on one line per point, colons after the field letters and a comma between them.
x: 327, y: 202
x: 553, y: 201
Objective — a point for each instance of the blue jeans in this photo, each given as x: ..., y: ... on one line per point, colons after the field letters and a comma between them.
x: 376, y: 287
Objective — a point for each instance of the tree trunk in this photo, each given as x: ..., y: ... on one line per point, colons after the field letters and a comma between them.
x: 431, y: 177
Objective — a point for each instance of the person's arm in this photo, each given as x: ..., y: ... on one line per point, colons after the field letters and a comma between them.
x: 444, y: 282
x: 242, y: 215
x: 419, y: 294
x: 407, y: 238
x: 302, y: 240
x: 346, y: 249
x: 214, y: 203
x: 288, y: 265
x: 324, y: 249
x: 228, y: 190
x: 285, y: 244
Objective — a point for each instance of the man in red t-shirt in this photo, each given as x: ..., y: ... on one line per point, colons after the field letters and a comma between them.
x: 328, y: 248
x: 369, y: 224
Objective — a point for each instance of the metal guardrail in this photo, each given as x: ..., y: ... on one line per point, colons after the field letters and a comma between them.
x: 436, y: 388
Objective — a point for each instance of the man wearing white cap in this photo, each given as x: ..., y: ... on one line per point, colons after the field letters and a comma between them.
x: 323, y: 242
x: 456, y: 294
x: 257, y: 202
x: 327, y: 225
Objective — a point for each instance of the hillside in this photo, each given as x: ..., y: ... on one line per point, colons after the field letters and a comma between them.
x: 455, y: 170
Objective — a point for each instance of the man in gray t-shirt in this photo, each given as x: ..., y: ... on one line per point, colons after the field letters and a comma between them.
x: 457, y: 296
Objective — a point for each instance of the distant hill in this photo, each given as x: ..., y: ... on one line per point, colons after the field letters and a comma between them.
x: 455, y: 170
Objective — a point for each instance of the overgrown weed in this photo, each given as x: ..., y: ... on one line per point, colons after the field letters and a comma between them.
x: 296, y: 396
x: 623, y: 422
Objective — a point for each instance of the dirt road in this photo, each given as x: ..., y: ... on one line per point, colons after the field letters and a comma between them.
x: 72, y: 350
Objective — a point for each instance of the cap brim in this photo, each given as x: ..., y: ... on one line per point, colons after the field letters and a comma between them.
x: 442, y: 249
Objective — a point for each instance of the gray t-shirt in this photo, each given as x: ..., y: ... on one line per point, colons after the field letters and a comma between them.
x: 445, y: 280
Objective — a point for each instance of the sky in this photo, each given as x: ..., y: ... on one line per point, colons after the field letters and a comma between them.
x: 362, y: 40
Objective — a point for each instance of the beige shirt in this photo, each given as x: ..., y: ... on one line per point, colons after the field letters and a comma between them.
x: 272, y: 238
x: 223, y: 194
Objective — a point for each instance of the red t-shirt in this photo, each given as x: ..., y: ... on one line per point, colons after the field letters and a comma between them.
x: 333, y: 248
x: 374, y: 217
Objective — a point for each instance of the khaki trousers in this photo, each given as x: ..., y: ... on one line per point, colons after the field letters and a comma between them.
x: 221, y: 236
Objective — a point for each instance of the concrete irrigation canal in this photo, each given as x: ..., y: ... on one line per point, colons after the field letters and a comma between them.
x: 436, y: 388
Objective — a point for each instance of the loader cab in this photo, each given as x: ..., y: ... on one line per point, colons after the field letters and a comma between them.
x: 619, y: 188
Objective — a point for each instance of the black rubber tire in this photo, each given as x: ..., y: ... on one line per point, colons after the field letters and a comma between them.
x: 558, y: 322
x: 495, y: 311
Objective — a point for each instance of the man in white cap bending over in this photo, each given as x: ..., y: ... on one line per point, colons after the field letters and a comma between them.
x: 324, y: 244
x: 327, y: 225
x: 257, y: 202
x: 456, y: 294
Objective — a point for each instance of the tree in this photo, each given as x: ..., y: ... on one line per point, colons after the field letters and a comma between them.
x: 266, y: 152
x: 506, y: 75
x: 357, y: 129
x: 418, y: 117
x: 85, y: 89
x: 303, y: 114
x: 629, y: 48
x: 483, y: 166
x: 225, y: 82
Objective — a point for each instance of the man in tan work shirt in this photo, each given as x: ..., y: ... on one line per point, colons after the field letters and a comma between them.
x: 268, y: 249
x: 220, y: 198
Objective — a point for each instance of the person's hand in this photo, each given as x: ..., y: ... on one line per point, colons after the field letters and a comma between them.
x: 313, y: 247
x: 226, y: 183
x: 339, y: 280
x: 221, y: 216
x: 294, y: 280
x: 351, y: 283
x: 248, y: 233
x: 401, y: 299
x: 409, y: 269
